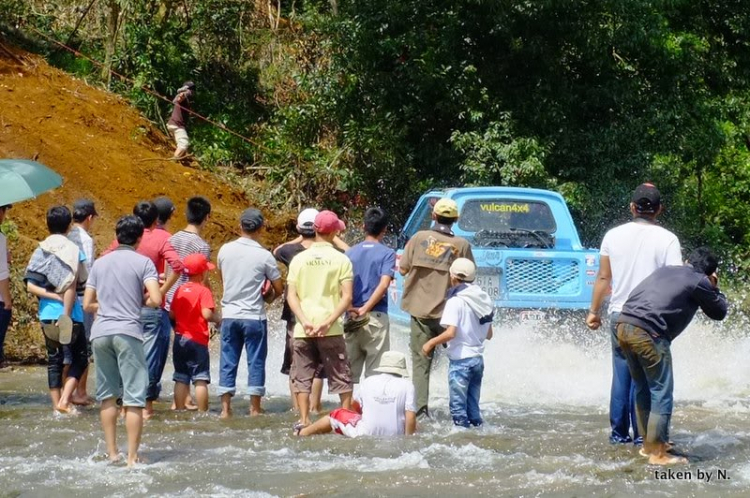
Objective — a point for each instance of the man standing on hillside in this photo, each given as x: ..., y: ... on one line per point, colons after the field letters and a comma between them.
x: 320, y: 292
x: 244, y: 266
x: 6, y: 301
x: 426, y: 266
x: 177, y: 124
x: 629, y: 253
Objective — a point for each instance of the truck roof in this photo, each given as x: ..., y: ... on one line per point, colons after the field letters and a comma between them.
x: 518, y: 191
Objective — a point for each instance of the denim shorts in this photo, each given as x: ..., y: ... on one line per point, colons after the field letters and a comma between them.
x: 191, y: 361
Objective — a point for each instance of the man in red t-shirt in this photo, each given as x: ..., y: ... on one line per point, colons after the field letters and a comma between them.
x: 192, y: 308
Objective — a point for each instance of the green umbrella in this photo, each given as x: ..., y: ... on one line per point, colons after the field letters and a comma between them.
x: 21, y: 180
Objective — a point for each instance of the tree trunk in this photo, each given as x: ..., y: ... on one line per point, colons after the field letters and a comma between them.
x: 110, y: 46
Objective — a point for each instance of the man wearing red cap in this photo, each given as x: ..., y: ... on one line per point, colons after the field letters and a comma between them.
x: 629, y: 253
x: 320, y: 284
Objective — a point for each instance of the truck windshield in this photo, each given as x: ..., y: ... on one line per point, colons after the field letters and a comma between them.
x: 508, y: 223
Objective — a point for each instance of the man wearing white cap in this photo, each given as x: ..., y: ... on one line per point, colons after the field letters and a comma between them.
x: 387, y: 403
x: 284, y: 254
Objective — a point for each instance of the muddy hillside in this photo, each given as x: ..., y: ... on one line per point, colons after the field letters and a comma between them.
x: 106, y: 151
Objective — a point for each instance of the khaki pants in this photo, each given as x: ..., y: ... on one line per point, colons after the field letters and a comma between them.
x: 422, y: 330
x: 180, y: 136
x: 365, y: 347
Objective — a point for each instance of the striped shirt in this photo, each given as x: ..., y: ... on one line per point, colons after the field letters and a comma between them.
x: 186, y: 243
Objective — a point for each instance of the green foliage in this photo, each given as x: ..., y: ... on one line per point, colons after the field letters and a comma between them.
x: 388, y: 98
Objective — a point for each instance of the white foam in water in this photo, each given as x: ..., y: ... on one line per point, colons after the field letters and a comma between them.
x: 527, y: 367
x: 531, y: 367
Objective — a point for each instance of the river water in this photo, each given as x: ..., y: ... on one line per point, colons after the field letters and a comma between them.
x: 544, y: 400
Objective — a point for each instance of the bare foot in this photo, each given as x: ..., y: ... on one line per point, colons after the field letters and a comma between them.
x: 116, y: 458
x: 81, y: 400
x: 191, y: 407
x: 666, y: 460
x: 138, y: 459
x: 255, y: 413
x: 68, y: 409
x: 226, y: 415
x: 147, y: 414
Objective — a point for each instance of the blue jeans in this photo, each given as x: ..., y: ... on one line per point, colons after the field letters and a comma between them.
x: 252, y: 334
x: 5, y: 316
x: 650, y: 362
x: 464, y: 385
x: 155, y: 347
x: 622, y: 397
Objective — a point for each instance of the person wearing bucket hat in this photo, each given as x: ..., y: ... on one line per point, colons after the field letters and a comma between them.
x: 467, y: 319
x: 387, y: 402
x: 629, y: 253
x: 192, y: 308
x: 425, y: 263
x: 244, y: 266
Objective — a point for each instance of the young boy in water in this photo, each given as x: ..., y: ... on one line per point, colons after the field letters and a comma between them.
x: 192, y: 307
x: 467, y: 319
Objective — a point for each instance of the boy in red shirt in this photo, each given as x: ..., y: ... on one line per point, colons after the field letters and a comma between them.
x: 192, y: 308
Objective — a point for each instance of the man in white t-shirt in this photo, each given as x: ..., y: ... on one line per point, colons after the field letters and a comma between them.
x: 629, y: 253
x: 387, y: 405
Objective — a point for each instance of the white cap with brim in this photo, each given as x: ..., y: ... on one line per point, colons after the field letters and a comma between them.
x: 306, y: 218
x: 393, y: 362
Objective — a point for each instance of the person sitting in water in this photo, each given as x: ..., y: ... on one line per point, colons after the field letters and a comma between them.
x: 656, y: 312
x: 467, y: 319
x: 387, y: 404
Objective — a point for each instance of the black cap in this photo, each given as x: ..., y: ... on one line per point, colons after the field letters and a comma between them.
x: 647, y: 198
x: 83, y: 208
x: 165, y: 207
x: 251, y: 220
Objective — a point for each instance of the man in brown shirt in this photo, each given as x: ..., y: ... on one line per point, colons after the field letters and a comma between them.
x: 425, y: 264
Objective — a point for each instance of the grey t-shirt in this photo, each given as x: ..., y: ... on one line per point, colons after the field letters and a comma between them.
x: 244, y: 266
x: 119, y: 279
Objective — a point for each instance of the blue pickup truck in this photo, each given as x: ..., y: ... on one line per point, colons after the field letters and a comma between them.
x: 527, y: 250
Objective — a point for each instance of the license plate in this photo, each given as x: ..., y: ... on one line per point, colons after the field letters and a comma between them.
x: 532, y: 316
x: 490, y: 283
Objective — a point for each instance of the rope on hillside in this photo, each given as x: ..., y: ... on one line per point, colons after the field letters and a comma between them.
x: 146, y: 89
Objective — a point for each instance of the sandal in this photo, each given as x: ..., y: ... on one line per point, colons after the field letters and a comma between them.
x: 297, y: 428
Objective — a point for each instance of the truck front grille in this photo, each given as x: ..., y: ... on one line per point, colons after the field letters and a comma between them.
x: 542, y: 276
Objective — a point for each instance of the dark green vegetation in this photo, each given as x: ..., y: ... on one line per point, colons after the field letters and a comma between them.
x: 373, y: 101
